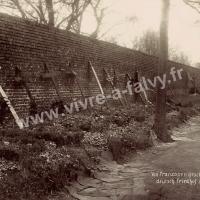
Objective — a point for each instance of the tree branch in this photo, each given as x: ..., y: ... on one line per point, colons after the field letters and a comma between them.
x: 34, y: 8
x: 19, y: 8
x: 98, y: 16
x: 108, y: 30
x: 76, y: 12
x: 195, y: 8
x: 40, y: 8
x: 62, y: 21
x: 194, y: 2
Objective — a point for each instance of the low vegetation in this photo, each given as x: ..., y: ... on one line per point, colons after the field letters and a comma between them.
x: 38, y: 161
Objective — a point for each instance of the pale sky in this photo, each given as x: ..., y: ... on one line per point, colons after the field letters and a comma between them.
x: 184, y: 31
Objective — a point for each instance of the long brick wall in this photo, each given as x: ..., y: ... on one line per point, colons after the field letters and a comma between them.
x: 28, y: 46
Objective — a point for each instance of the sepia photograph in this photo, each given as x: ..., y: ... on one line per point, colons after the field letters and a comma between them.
x: 99, y: 99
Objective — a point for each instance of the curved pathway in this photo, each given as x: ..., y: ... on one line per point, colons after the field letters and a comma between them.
x: 164, y: 172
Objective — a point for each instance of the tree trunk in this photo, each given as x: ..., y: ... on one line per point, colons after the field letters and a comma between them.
x: 49, y: 5
x: 160, y: 115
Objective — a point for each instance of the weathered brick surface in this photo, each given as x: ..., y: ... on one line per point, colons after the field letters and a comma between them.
x: 29, y: 45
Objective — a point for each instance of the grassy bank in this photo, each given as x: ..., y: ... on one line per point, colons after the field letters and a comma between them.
x: 42, y: 160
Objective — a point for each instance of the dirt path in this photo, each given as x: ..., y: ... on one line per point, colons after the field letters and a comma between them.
x: 135, y: 180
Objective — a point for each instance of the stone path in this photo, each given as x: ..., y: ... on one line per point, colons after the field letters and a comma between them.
x: 114, y: 182
x: 134, y: 180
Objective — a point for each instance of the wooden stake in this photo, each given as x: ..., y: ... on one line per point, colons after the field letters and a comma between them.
x: 112, y: 85
x: 97, y: 79
x: 78, y: 84
x: 19, y: 74
x: 11, y: 108
x: 98, y: 82
x: 54, y: 83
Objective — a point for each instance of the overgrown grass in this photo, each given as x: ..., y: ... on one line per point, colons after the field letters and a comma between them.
x: 47, y: 157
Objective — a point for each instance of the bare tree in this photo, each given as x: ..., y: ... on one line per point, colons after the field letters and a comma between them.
x: 27, y: 9
x: 197, y: 65
x: 18, y: 6
x: 149, y: 44
x: 179, y: 57
x: 99, y: 14
x: 73, y: 20
x: 160, y: 116
x: 65, y: 14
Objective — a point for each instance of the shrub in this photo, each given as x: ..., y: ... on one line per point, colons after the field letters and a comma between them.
x: 9, y: 154
x: 40, y: 175
x: 62, y: 139
x: 129, y: 138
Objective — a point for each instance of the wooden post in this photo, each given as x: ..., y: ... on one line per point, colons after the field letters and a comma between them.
x: 98, y: 82
x: 78, y: 84
x: 112, y: 85
x: 97, y: 79
x: 33, y: 105
x: 11, y: 108
x: 54, y: 83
